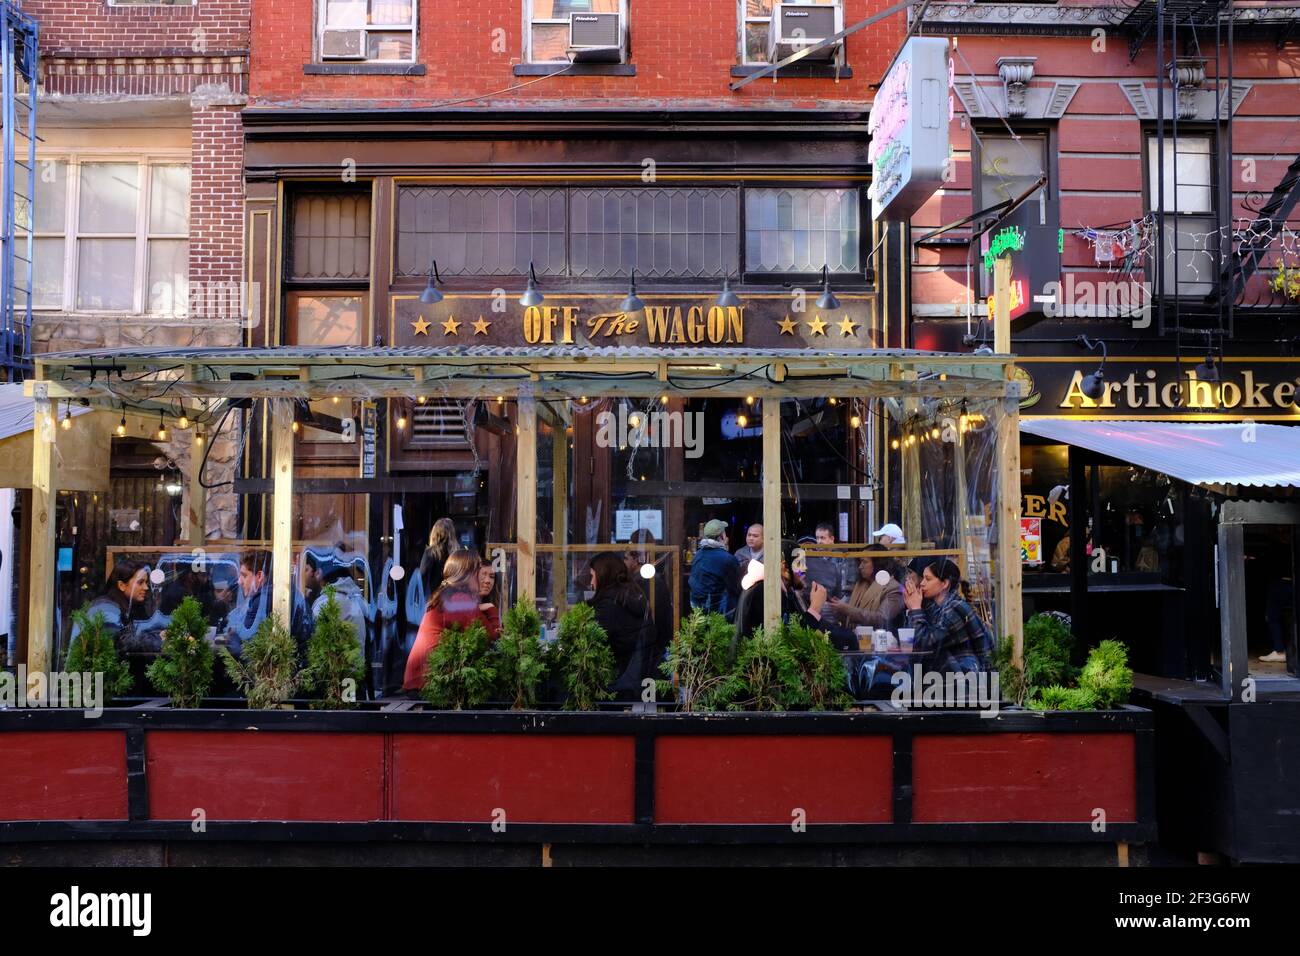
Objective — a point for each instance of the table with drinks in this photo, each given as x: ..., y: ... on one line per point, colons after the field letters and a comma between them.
x: 877, y: 646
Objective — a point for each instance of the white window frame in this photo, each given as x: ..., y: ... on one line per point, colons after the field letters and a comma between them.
x: 1176, y: 217
x: 144, y: 162
x: 529, y: 21
x: 742, y: 28
x: 413, y: 28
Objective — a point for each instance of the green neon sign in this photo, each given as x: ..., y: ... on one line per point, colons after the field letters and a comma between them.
x: 1010, y: 239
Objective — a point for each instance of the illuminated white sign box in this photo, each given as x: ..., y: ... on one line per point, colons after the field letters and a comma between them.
x: 909, y: 129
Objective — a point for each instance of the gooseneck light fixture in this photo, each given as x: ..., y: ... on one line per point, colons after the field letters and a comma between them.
x: 633, y: 301
x: 1094, y: 384
x: 431, y: 294
x: 726, y: 298
x: 531, y: 296
x: 827, y: 300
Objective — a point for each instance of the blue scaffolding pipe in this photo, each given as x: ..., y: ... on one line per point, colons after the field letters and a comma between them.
x: 18, y: 65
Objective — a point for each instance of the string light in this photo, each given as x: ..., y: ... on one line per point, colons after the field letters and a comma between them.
x: 749, y: 399
x: 294, y: 426
x: 198, y: 437
x: 833, y: 400
x: 66, y: 424
x: 162, y: 428
x: 663, y: 399
x: 742, y: 420
x: 420, y: 399
x: 183, y: 422
x: 401, y: 422
x: 934, y: 433
x: 894, y: 444
x: 121, y: 426
x: 855, y: 421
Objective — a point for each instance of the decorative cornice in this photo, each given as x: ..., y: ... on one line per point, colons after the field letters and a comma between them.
x: 1188, y: 75
x: 1021, y: 16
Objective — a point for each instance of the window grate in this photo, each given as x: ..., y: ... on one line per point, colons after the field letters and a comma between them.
x: 438, y: 423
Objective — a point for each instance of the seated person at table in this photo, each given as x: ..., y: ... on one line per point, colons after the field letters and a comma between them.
x: 458, y: 600
x: 254, y: 603
x: 872, y: 604
x: 829, y: 572
x: 749, y: 612
x: 330, y: 569
x: 948, y: 635
x: 715, y: 577
x: 196, y: 584
x: 623, y: 611
x: 125, y: 599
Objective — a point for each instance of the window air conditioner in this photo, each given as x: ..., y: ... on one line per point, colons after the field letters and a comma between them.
x: 597, y: 37
x: 797, y: 26
x: 342, y: 45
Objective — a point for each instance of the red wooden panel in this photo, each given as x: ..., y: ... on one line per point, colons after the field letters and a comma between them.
x: 265, y: 775
x: 846, y: 779
x: 1023, y: 778
x: 63, y: 775
x: 533, y: 778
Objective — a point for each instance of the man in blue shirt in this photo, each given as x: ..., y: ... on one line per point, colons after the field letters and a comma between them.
x: 715, y: 575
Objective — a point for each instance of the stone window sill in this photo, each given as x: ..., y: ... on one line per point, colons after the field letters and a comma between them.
x: 364, y: 69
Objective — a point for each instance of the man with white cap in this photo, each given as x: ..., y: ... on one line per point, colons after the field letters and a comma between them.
x: 889, y: 534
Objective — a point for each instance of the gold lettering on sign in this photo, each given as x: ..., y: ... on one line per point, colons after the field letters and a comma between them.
x: 667, y: 325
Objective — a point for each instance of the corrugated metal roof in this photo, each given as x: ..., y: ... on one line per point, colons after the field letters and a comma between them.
x: 1203, y: 454
x: 289, y: 353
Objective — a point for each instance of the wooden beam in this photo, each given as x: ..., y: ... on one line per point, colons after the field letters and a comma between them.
x: 526, y: 496
x: 40, y: 616
x: 282, y: 436
x: 196, y: 512
x: 559, y: 510
x: 1002, y: 305
x: 1010, y: 615
x: 771, y: 513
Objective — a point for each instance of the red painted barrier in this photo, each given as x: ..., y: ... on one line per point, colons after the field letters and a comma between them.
x: 265, y: 775
x: 532, y: 778
x: 1023, y: 778
x: 60, y: 775
x: 763, y: 779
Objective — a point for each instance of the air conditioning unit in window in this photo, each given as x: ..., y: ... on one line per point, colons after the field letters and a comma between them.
x: 342, y: 45
x: 797, y: 26
x: 597, y: 37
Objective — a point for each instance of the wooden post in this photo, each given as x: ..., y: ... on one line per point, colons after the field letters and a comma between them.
x: 559, y: 509
x: 913, y: 529
x: 40, y: 616
x: 282, y: 508
x: 771, y: 511
x: 1002, y: 305
x: 1010, y: 608
x: 526, y: 497
x: 196, y: 515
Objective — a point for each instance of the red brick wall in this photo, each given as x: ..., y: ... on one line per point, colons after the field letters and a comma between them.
x: 682, y: 49
x: 71, y: 27
x: 1099, y: 141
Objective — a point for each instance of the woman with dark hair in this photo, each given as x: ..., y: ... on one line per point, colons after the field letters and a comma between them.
x: 125, y: 597
x: 949, y: 635
x: 623, y: 611
x: 749, y: 611
x: 872, y: 604
x: 458, y: 600
x: 442, y: 541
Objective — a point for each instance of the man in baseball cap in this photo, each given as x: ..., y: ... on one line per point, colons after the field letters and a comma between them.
x: 715, y: 575
x: 889, y: 534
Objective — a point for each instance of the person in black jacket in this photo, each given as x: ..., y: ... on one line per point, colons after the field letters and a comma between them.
x: 749, y: 612
x: 442, y: 542
x: 624, y: 613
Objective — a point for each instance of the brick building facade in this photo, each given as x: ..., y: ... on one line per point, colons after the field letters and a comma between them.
x: 139, y: 106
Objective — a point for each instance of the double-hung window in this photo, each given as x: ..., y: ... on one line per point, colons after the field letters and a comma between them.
x: 381, y: 31
x: 1189, y: 244
x: 546, y: 36
x: 112, y: 235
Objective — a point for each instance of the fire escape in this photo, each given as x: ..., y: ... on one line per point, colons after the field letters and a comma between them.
x: 1201, y: 264
x: 19, y: 65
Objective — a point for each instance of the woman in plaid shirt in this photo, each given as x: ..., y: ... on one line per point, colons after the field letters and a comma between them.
x: 949, y: 635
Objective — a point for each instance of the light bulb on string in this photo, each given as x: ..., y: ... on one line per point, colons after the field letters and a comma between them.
x: 121, y: 426
x: 855, y: 421
x: 162, y: 428
x: 183, y: 421
x: 66, y: 424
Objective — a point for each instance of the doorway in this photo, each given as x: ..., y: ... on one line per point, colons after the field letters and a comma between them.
x: 1270, y: 566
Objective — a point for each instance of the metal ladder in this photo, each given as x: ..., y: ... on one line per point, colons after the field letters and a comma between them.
x: 18, y: 64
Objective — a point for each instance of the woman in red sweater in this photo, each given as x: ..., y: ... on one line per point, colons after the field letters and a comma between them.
x: 458, y: 600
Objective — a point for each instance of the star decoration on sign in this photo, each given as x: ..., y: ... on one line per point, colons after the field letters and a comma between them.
x: 421, y: 326
x: 817, y: 325
x: 481, y: 326
x: 787, y: 326
x: 450, y: 326
x: 848, y: 328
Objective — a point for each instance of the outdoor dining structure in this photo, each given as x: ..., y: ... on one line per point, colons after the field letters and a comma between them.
x: 562, y: 447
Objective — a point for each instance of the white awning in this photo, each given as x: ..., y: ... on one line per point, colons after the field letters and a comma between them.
x: 1229, y: 453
